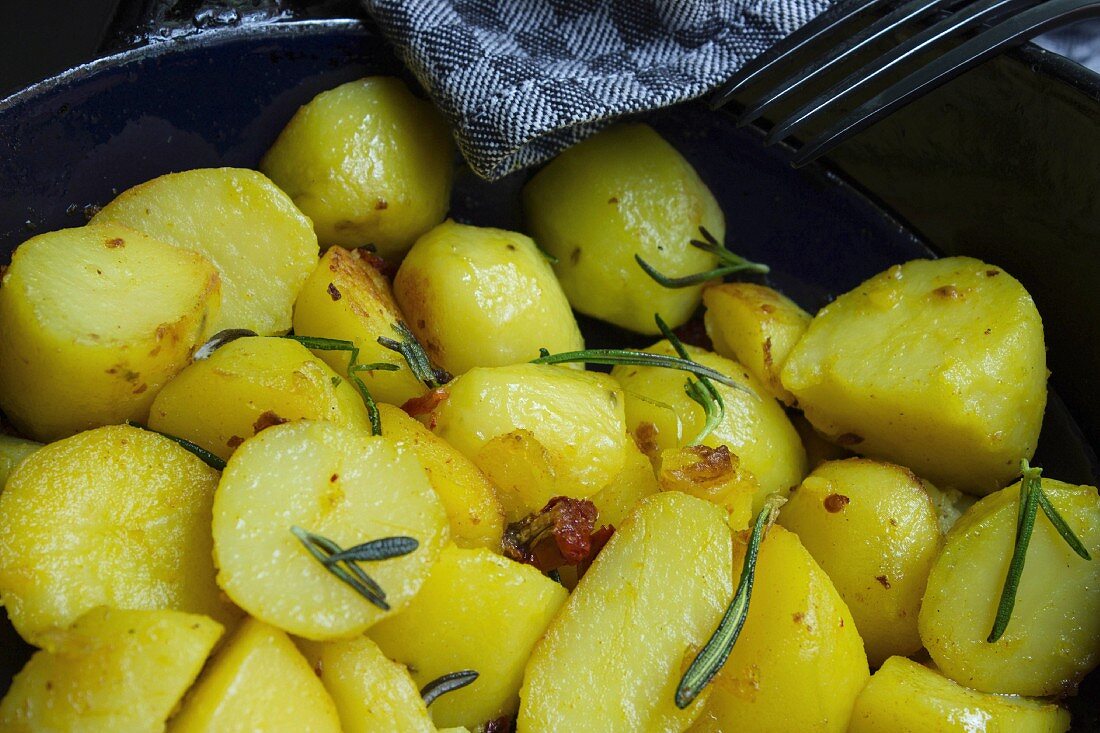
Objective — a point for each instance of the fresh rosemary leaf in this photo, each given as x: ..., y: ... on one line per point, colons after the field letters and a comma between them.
x: 204, y: 455
x: 1064, y: 529
x: 717, y: 649
x: 729, y: 263
x: 416, y: 357
x: 1025, y: 523
x: 318, y: 343
x: 323, y: 549
x: 218, y: 340
x: 702, y: 391
x: 383, y: 549
x: 447, y: 683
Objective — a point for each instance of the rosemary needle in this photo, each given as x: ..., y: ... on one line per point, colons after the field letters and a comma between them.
x: 447, y: 683
x: 325, y: 552
x: 416, y: 357
x: 701, y: 391
x: 729, y: 264
x: 210, y: 459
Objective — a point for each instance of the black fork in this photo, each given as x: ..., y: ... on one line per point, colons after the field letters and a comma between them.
x: 1001, y: 24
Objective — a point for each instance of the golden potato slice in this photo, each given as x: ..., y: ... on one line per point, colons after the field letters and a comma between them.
x: 634, y: 483
x: 620, y: 193
x: 112, y: 670
x: 798, y: 664
x: 475, y: 611
x: 342, y: 484
x: 251, y: 384
x: 1053, y: 637
x: 938, y: 365
x: 613, y: 656
x: 346, y: 297
x: 873, y: 529
x: 473, y: 509
x: 756, y: 326
x: 115, y: 517
x: 906, y: 697
x: 257, y: 682
x: 476, y: 296
x: 755, y: 427
x: 368, y: 162
x: 12, y: 453
x: 713, y: 474
x: 576, y: 416
x: 262, y: 247
x: 93, y: 322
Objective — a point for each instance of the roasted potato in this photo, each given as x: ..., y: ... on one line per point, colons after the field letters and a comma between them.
x: 12, y: 453
x: 635, y: 482
x: 713, y: 474
x: 93, y: 322
x: 937, y: 365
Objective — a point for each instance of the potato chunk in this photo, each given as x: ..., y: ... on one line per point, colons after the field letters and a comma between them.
x: 798, y: 664
x: 257, y: 682
x: 111, y: 670
x: 620, y: 193
x: 115, y: 516
x: 713, y: 474
x: 339, y: 483
x: 938, y: 365
x: 93, y: 322
x: 1053, y: 637
x: 346, y: 297
x: 754, y: 426
x: 12, y: 452
x: 872, y: 527
x: 251, y: 384
x: 906, y: 697
x: 756, y: 326
x: 612, y: 658
x: 476, y: 296
x: 634, y: 483
x: 475, y: 611
x: 368, y: 162
x: 262, y: 247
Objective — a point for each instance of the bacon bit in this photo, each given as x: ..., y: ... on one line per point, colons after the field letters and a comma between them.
x: 372, y: 259
x: 882, y: 579
x: 559, y: 534
x: 714, y: 464
x: 266, y: 420
x: 835, y: 503
x: 334, y: 292
x: 694, y: 332
x: 503, y: 724
x: 426, y: 404
x: 599, y: 538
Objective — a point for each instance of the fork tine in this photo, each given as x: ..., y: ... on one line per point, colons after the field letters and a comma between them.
x: 980, y: 12
x: 963, y: 57
x: 900, y: 16
x: 827, y: 22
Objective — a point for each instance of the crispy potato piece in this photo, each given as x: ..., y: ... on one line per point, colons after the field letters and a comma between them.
x: 1053, y: 637
x: 257, y: 682
x: 261, y: 245
x: 798, y: 664
x: 754, y: 427
x: 12, y: 452
x: 477, y: 296
x: 368, y: 162
x: 93, y: 322
x: 339, y: 483
x: 756, y: 326
x: 906, y: 697
x: 713, y: 474
x: 938, y: 365
x: 613, y: 656
x: 634, y: 483
x: 872, y: 527
x: 251, y: 384
x: 473, y: 509
x: 112, y: 670
x: 475, y: 611
x: 346, y: 297
x: 115, y: 516
x: 620, y: 193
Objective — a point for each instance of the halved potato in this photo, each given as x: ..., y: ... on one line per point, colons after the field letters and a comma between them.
x: 261, y: 245
x: 93, y: 322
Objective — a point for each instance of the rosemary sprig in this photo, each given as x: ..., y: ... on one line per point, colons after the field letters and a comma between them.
x: 730, y: 263
x: 341, y: 562
x: 210, y: 459
x: 416, y: 357
x: 383, y: 549
x: 701, y: 391
x: 1032, y: 498
x: 447, y: 683
x: 717, y: 649
x: 220, y: 339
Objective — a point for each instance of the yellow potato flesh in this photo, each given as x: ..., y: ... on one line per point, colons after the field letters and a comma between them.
x: 251, y: 384
x: 873, y: 529
x: 714, y: 475
x: 620, y: 193
x: 346, y: 297
x: 93, y: 322
x: 257, y: 682
x: 613, y: 656
x: 938, y: 365
x: 476, y: 296
x: 261, y: 245
x: 634, y: 483
x: 906, y: 697
x: 1053, y: 637
x: 476, y: 611
x: 368, y: 162
x: 112, y: 670
x: 12, y: 453
x: 114, y: 516
x: 338, y: 483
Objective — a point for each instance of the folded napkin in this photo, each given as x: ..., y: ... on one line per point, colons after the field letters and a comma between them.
x: 520, y: 80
